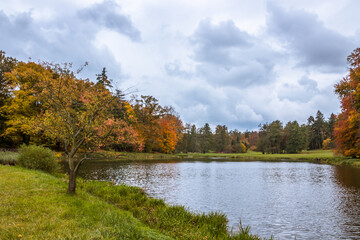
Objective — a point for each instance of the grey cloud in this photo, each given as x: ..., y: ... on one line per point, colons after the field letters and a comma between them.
x: 18, y: 31
x: 243, y: 75
x: 229, y: 56
x: 304, y: 92
x: 305, y: 35
x: 174, y: 69
x: 214, y: 43
x: 224, y: 34
x: 61, y: 39
x: 308, y: 83
x: 105, y: 14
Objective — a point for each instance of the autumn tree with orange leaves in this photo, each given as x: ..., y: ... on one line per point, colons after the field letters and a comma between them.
x: 347, y: 126
x: 170, y: 132
x: 76, y: 112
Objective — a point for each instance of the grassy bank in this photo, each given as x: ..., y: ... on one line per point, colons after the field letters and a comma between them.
x: 35, y: 205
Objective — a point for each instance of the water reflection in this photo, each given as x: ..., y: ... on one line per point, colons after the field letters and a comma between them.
x: 287, y: 200
x: 349, y: 181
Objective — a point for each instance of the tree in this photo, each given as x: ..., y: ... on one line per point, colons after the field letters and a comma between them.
x: 206, y: 138
x: 193, y: 140
x: 170, y: 131
x: 311, y: 132
x: 75, y: 112
x: 7, y: 64
x: 103, y: 79
x: 148, y: 111
x: 294, y: 137
x: 253, y: 139
x: 347, y: 126
x: 271, y: 138
x: 222, y: 140
x: 330, y: 126
x: 276, y: 136
x: 320, y: 129
x: 24, y: 102
x: 263, y: 144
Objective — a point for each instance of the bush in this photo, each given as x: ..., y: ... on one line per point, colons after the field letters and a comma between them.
x: 36, y: 157
x: 8, y: 158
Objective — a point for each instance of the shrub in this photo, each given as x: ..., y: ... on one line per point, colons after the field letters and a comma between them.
x: 36, y: 157
x: 8, y: 158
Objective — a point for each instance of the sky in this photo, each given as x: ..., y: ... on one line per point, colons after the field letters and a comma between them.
x: 230, y: 62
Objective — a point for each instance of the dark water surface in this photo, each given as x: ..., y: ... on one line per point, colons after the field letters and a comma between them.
x: 283, y: 199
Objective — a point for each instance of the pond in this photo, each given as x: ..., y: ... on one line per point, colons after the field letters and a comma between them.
x: 285, y: 199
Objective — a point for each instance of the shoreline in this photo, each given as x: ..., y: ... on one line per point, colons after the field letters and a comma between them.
x: 315, y: 156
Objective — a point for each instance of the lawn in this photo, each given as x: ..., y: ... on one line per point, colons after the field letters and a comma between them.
x: 35, y: 205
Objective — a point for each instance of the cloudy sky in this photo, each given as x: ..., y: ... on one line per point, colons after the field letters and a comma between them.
x: 233, y: 62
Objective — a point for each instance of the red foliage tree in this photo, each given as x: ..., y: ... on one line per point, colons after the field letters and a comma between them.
x: 347, y: 126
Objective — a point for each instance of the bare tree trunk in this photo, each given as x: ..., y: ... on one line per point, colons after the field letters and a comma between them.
x: 72, y: 181
x: 72, y: 174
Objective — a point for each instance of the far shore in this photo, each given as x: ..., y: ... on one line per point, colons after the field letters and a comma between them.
x: 314, y: 156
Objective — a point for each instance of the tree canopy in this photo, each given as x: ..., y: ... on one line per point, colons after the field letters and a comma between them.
x: 347, y: 126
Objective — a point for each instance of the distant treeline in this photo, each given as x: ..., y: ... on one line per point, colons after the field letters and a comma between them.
x: 271, y: 138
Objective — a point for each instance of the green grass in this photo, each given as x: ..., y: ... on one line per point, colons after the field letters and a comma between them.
x: 35, y: 205
x: 251, y: 155
x: 8, y: 158
x: 175, y: 221
x: 318, y: 156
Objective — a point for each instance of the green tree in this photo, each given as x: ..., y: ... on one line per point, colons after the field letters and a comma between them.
x: 320, y: 130
x: 271, y: 138
x: 103, y: 79
x: 330, y: 126
x: 193, y: 140
x: 183, y: 144
x: 206, y: 139
x: 295, y: 137
x: 276, y: 136
x: 221, y: 138
x: 263, y: 144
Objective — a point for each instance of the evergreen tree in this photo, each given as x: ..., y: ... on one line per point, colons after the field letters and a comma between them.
x: 294, y: 137
x: 103, y: 79
x: 193, y: 144
x: 222, y: 140
x: 206, y: 139
x: 320, y: 130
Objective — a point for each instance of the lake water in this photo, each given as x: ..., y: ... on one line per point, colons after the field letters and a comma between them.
x: 285, y: 199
